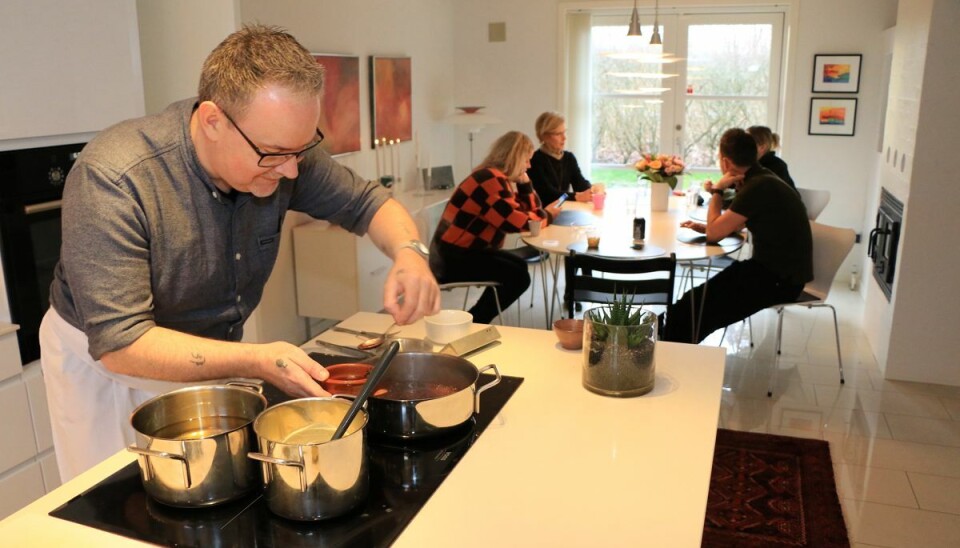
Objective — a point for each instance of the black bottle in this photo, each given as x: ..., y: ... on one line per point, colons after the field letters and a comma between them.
x: 639, y: 230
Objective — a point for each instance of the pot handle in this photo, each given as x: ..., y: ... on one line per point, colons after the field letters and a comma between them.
x: 164, y: 455
x: 491, y: 384
x: 283, y: 462
x: 256, y: 387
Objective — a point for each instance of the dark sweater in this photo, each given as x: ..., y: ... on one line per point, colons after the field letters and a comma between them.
x: 779, y: 168
x: 552, y: 177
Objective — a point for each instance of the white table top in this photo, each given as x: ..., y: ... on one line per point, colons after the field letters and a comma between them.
x: 560, y: 466
x: 615, y: 224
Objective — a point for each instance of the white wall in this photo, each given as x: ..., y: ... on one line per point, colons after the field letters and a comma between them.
x: 915, y: 336
x: 175, y: 38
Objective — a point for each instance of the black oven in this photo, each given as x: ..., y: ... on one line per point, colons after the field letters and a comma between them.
x: 885, y: 240
x: 31, y: 186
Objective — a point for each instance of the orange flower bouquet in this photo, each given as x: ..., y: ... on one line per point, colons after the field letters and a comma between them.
x: 660, y: 168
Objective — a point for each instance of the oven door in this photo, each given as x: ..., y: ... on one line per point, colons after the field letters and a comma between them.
x: 31, y: 250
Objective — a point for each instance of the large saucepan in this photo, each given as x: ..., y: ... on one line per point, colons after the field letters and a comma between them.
x: 192, y: 443
x: 307, y: 476
x: 424, y: 394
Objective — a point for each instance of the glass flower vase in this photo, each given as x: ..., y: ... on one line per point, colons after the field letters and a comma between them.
x: 618, y: 359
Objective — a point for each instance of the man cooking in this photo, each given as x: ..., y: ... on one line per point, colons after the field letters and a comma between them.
x: 171, y: 227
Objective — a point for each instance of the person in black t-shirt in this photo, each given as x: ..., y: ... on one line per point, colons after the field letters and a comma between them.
x: 782, y: 260
x: 553, y: 170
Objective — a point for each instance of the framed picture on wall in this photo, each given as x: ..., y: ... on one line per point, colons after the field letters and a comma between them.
x: 391, y: 98
x: 836, y: 73
x: 832, y: 116
x: 340, y: 110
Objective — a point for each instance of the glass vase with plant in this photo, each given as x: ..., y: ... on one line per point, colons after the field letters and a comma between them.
x: 618, y: 360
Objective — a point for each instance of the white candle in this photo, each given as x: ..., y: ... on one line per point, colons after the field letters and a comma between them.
x: 389, y: 151
x: 376, y: 156
x: 399, y: 169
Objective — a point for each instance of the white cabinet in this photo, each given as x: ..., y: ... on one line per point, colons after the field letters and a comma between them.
x: 20, y: 488
x: 68, y: 67
x: 338, y: 274
x: 16, y: 428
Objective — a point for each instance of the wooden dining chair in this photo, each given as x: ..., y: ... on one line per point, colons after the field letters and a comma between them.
x: 590, y: 278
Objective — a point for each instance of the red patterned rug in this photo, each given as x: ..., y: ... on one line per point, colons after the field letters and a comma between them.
x: 768, y: 490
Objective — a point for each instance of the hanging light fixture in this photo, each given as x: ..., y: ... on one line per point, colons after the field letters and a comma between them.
x: 634, y: 29
x: 655, y: 39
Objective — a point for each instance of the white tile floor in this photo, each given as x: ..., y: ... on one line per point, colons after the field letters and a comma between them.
x: 895, y: 445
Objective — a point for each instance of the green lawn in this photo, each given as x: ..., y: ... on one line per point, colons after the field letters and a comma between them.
x: 619, y: 177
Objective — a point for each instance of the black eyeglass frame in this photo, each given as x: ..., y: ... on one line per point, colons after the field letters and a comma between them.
x: 264, y: 155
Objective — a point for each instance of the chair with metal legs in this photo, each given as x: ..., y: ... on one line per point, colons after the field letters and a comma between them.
x: 533, y: 257
x: 651, y: 281
x: 831, y: 245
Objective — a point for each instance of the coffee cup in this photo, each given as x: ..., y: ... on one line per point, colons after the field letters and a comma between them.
x: 534, y: 227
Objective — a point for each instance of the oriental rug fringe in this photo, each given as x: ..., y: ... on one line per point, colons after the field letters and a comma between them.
x: 768, y: 490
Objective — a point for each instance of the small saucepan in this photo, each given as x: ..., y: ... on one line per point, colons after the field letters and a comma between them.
x: 425, y: 394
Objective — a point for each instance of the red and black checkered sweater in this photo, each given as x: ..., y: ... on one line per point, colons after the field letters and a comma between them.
x: 484, y: 208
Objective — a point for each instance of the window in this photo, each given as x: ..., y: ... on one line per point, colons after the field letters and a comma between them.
x: 725, y: 73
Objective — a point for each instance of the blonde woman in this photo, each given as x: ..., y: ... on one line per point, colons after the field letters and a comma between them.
x: 496, y: 199
x: 767, y: 143
x: 553, y: 170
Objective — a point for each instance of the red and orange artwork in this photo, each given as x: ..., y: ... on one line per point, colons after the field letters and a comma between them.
x: 392, y: 97
x: 340, y: 109
x: 836, y: 73
x: 833, y: 116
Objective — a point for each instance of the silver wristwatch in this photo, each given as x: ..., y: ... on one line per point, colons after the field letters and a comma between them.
x: 417, y: 246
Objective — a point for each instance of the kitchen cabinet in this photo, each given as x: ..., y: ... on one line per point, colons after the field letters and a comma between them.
x: 68, y: 67
x: 339, y: 274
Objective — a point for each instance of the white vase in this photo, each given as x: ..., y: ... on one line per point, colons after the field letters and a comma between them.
x: 659, y: 196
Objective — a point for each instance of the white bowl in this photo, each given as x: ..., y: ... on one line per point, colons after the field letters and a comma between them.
x: 447, y: 325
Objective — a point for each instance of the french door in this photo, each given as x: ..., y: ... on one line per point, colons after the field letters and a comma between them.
x: 714, y: 71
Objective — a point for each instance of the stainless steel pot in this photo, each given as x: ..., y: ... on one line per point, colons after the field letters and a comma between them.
x: 306, y: 476
x: 424, y: 394
x: 192, y: 443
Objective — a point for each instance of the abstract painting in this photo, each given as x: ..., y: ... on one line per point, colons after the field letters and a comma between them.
x: 391, y: 97
x: 340, y: 110
x: 832, y: 116
x: 836, y: 73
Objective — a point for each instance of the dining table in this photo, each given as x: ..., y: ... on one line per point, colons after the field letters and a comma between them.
x: 613, y: 225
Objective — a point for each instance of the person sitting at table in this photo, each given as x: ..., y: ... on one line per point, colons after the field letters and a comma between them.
x: 497, y: 198
x: 767, y: 143
x: 782, y: 260
x: 553, y: 170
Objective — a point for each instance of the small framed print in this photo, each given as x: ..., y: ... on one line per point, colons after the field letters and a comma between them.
x: 832, y: 116
x: 836, y: 73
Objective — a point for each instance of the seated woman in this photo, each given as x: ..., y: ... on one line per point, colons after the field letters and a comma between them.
x: 495, y: 199
x: 767, y: 143
x: 554, y: 170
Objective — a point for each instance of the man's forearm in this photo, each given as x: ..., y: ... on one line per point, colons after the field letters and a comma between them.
x: 391, y: 227
x: 165, y: 354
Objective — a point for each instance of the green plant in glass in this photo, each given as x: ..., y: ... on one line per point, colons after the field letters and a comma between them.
x: 618, y: 359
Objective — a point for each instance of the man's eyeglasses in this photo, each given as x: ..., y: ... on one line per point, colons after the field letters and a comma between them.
x: 274, y: 159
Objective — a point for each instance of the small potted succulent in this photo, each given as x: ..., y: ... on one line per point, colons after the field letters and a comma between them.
x: 618, y: 355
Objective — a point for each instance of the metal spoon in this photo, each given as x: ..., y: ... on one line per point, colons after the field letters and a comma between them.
x: 370, y: 344
x: 372, y: 379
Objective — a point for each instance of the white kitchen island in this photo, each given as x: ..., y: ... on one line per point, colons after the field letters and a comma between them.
x: 560, y: 466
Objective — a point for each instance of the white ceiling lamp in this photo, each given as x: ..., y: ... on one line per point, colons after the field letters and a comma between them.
x: 655, y: 39
x: 634, y: 29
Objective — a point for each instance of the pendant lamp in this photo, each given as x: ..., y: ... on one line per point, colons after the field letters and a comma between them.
x: 655, y: 39
x: 634, y: 29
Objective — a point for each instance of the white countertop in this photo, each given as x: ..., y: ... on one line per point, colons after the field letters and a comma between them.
x: 560, y: 466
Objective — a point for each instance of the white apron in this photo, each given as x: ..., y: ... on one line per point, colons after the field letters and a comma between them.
x: 89, y: 406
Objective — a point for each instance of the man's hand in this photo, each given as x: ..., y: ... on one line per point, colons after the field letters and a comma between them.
x: 290, y: 369
x: 692, y: 225
x: 411, y: 291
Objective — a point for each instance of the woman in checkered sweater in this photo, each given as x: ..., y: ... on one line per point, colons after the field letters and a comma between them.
x: 496, y: 199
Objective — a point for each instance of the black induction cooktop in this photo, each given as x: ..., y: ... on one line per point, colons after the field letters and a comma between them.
x: 403, y: 476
